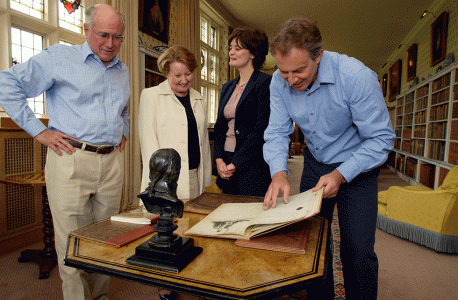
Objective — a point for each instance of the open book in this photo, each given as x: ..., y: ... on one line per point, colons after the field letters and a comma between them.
x: 247, y: 220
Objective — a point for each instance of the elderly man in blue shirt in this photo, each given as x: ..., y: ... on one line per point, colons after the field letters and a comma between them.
x: 337, y: 102
x: 87, y: 95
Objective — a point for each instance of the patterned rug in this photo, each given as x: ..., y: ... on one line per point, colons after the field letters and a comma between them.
x: 339, y: 290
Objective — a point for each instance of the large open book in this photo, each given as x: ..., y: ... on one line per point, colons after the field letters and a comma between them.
x: 247, y: 220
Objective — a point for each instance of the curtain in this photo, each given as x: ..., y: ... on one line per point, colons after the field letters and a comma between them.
x: 129, y: 55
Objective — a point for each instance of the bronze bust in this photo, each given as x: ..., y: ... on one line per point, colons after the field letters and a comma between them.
x: 160, y: 197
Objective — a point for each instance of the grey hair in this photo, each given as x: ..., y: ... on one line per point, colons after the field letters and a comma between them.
x: 90, y: 13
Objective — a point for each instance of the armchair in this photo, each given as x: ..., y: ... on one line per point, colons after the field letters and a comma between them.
x: 422, y: 215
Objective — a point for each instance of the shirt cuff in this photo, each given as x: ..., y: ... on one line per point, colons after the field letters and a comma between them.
x: 349, y: 170
x: 34, y: 127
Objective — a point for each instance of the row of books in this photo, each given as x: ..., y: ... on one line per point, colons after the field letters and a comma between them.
x: 408, y: 108
x: 421, y: 103
x: 423, y: 91
x: 442, y: 82
x: 436, y: 150
x: 438, y: 113
x: 418, y: 147
x: 411, y: 167
x: 455, y: 110
x: 407, y: 133
x: 420, y: 117
x: 419, y: 131
x: 440, y: 97
x: 408, y: 119
x: 437, y: 130
x: 409, y: 97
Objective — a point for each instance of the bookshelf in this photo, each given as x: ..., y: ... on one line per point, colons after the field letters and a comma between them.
x: 426, y: 127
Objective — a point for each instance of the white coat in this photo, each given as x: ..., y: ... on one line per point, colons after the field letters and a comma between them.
x: 162, y: 123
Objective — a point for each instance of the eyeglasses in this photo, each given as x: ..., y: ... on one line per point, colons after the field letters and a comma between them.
x: 117, y: 38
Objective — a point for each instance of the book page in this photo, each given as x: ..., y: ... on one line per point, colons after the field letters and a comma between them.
x: 299, y: 206
x: 230, y: 219
x: 138, y: 215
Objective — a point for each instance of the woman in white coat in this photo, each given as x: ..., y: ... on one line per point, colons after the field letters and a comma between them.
x: 174, y: 115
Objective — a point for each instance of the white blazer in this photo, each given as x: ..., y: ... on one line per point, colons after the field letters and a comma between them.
x: 162, y: 123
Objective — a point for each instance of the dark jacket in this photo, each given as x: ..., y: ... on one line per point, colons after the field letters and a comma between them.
x: 251, y: 120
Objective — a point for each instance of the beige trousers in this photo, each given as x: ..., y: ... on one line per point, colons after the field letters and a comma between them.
x: 83, y: 188
x: 193, y: 184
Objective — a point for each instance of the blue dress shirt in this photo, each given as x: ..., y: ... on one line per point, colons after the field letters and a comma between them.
x: 343, y: 116
x: 84, y: 99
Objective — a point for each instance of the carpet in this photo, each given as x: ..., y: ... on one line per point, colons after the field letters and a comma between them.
x: 339, y: 289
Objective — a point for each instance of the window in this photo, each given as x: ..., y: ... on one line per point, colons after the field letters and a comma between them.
x: 209, y: 53
x: 24, y: 45
x: 28, y: 32
x: 34, y: 8
x: 73, y: 21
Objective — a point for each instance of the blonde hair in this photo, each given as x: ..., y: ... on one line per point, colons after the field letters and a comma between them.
x: 178, y: 54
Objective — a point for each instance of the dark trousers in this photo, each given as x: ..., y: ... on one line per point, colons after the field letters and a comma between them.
x: 357, y: 212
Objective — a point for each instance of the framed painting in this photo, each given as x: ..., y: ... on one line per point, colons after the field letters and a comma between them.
x: 439, y: 39
x: 384, y: 84
x: 395, y: 80
x: 412, y: 62
x: 153, y: 18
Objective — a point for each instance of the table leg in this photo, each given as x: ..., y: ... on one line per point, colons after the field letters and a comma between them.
x: 46, y: 258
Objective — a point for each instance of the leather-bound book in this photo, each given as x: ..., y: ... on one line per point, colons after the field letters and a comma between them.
x: 290, y: 239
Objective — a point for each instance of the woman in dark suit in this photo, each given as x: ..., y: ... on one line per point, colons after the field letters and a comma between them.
x: 243, y: 115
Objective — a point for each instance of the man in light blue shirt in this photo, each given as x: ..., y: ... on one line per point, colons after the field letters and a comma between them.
x: 337, y: 103
x: 87, y: 95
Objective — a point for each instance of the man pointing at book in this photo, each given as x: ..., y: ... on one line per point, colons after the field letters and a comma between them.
x: 337, y: 103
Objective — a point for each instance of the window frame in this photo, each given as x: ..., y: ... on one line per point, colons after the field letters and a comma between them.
x: 48, y: 28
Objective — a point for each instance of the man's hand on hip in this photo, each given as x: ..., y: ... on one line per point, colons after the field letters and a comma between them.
x: 279, y: 183
x: 56, y: 140
x: 122, y: 146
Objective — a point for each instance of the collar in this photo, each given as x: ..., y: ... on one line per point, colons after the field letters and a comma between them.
x: 87, y: 52
x: 325, y: 71
x: 165, y: 89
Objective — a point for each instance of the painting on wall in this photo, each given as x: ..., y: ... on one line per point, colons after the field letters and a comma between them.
x: 439, y: 39
x: 412, y: 62
x: 395, y: 80
x: 384, y: 84
x: 153, y: 18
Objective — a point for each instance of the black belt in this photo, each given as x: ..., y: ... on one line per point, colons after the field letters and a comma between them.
x: 96, y: 149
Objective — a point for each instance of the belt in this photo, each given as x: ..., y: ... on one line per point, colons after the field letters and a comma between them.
x: 87, y: 147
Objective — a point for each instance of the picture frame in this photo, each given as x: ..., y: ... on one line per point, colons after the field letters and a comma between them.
x: 153, y: 18
x: 412, y: 62
x: 395, y: 80
x: 439, y: 39
x: 384, y: 84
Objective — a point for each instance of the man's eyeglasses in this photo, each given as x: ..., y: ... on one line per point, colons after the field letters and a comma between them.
x: 117, y: 38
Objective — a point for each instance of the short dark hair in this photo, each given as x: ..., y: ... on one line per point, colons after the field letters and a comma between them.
x: 255, y: 41
x: 301, y: 33
x: 178, y: 54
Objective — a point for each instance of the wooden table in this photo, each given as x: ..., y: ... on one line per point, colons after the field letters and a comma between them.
x: 221, y: 271
x: 46, y: 258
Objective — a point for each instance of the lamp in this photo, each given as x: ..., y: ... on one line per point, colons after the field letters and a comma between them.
x: 427, y: 12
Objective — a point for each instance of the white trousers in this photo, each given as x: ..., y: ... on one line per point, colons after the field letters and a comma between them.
x: 82, y: 188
